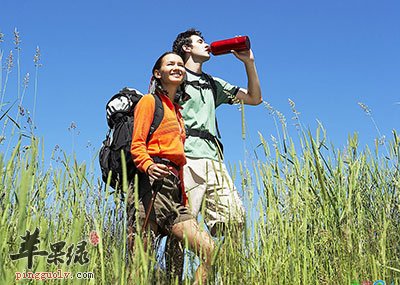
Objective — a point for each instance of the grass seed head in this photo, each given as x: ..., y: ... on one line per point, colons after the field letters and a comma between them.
x: 21, y: 111
x: 26, y: 80
x: 269, y: 107
x: 293, y: 107
x: 72, y: 126
x: 17, y: 39
x: 10, y: 61
x: 36, y: 57
x: 281, y: 118
x: 365, y: 108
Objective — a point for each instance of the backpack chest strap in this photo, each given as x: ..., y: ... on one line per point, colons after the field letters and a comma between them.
x: 206, y: 135
x: 203, y: 134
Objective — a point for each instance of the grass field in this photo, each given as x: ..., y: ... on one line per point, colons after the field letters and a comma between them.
x: 321, y: 217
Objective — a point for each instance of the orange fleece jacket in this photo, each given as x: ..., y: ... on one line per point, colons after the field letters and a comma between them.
x: 167, y: 140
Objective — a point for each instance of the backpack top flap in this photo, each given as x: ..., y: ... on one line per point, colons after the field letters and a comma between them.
x: 121, y: 104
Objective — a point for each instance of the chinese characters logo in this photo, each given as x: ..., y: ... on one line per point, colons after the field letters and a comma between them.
x: 60, y: 252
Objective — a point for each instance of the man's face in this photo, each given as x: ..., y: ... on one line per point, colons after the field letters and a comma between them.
x: 199, y: 48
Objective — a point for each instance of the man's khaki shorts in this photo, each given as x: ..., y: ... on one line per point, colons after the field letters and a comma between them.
x: 211, y: 191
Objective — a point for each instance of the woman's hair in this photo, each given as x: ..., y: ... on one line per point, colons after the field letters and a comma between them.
x: 155, y: 83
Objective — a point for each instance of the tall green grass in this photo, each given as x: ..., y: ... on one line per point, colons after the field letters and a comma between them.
x: 66, y: 205
x: 320, y: 217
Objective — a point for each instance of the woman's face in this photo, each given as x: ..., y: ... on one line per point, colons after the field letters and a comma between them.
x: 172, y: 70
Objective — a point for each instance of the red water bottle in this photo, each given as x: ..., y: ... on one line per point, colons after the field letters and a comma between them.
x: 225, y: 46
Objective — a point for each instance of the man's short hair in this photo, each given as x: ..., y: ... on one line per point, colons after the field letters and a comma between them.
x: 184, y: 39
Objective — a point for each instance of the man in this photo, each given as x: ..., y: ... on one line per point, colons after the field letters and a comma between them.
x: 208, y: 184
x: 205, y: 174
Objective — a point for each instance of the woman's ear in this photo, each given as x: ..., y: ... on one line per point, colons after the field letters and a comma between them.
x: 157, y: 74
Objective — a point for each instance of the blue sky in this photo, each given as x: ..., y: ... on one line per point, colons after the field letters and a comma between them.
x: 324, y: 55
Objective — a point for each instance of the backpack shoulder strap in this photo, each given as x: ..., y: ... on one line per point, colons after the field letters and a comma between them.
x: 158, y: 115
x: 213, y: 85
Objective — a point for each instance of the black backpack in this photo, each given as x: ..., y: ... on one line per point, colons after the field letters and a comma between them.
x: 120, y: 117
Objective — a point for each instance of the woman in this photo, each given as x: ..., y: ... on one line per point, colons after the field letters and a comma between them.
x: 161, y: 158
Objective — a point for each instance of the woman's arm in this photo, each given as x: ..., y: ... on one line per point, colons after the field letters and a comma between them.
x: 144, y: 114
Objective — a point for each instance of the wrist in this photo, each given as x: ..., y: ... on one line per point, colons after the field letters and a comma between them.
x: 148, y: 168
x: 249, y: 61
x: 144, y: 167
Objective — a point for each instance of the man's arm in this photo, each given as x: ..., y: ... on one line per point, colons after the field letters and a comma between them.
x: 251, y: 96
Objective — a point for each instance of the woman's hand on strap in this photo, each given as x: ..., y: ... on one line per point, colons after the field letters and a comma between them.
x: 158, y: 171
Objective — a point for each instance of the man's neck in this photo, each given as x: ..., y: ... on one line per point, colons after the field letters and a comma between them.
x: 194, y: 66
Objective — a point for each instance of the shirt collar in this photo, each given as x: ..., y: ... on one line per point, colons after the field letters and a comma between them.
x: 192, y: 72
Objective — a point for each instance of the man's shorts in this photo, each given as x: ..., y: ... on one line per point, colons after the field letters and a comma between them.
x: 211, y: 191
x: 167, y: 209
